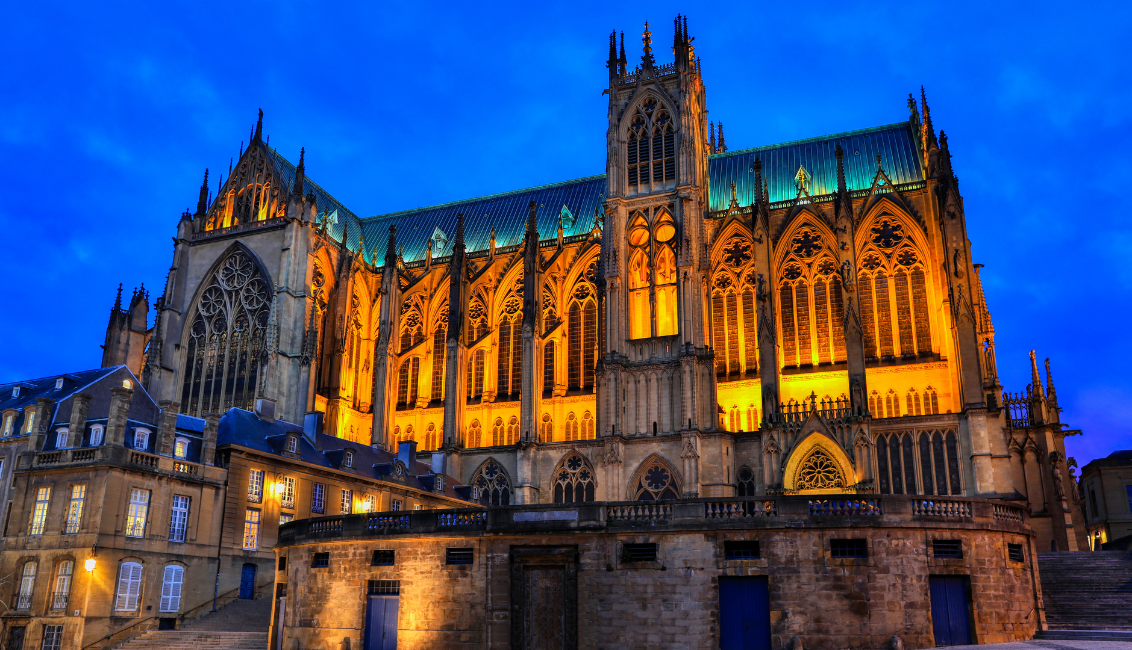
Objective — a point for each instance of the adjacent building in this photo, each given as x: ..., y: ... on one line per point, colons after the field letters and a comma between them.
x: 1106, y: 494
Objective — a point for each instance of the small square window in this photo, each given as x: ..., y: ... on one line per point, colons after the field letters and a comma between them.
x: 383, y: 558
x: 638, y: 553
x: 292, y: 444
x: 384, y: 588
x: 1014, y: 553
x: 858, y: 548
x: 320, y: 561
x: 395, y: 505
x: 458, y: 556
x: 282, y: 562
x: 947, y: 549
x: 741, y: 550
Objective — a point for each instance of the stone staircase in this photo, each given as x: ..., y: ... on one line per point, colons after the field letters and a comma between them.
x: 1087, y: 590
x: 239, y: 625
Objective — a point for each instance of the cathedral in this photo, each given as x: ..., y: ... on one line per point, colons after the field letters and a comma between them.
x: 802, y: 318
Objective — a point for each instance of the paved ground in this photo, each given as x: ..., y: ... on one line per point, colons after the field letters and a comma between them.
x: 1051, y: 645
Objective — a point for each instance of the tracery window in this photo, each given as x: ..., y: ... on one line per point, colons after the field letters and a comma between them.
x: 412, y: 329
x: 733, y: 312
x: 894, y: 302
x: 548, y: 369
x: 931, y: 398
x: 490, y: 485
x: 752, y: 418
x: 475, y: 375
x: 408, y: 377
x: 474, y: 434
x: 819, y: 472
x: 226, y: 352
x: 587, y: 426
x: 510, y: 370
x: 430, y: 437
x: 439, y: 354
x: 936, y: 452
x: 582, y: 332
x: 477, y: 320
x: 546, y: 428
x: 571, y: 427
x: 745, y: 482
x: 651, y: 155
x: 656, y: 483
x: 574, y: 480
x: 652, y: 277
x: 253, y: 194
x: 811, y: 303
x: 497, y: 432
x: 512, y: 431
x: 734, y: 419
x: 891, y: 404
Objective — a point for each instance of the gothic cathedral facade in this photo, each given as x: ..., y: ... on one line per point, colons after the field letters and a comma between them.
x: 798, y: 318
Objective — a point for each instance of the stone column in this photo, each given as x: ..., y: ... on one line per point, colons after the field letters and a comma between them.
x: 80, y: 405
x: 167, y: 433
x: 211, y: 429
x: 44, y: 408
x: 120, y: 398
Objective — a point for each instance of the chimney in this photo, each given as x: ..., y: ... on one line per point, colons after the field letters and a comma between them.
x: 439, y: 463
x: 167, y: 433
x: 265, y: 409
x: 208, y: 448
x: 407, y: 453
x: 43, y: 407
x: 80, y: 405
x: 312, y: 426
x: 120, y: 398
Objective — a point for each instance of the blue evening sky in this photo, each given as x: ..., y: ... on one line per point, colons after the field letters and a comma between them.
x: 111, y: 111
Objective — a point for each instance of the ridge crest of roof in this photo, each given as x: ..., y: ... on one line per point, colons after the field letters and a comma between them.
x: 820, y: 138
x: 537, y: 188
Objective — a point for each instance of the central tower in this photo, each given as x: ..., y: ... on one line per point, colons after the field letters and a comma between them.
x: 656, y: 373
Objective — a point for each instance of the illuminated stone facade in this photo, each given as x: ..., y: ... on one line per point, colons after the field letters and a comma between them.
x: 796, y: 318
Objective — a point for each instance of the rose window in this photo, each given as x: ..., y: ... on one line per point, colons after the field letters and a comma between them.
x: 819, y: 472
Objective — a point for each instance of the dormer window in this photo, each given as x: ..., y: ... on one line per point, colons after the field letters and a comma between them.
x: 348, y: 460
x: 15, y: 391
x: 292, y: 444
x: 126, y: 383
x: 59, y: 384
x: 96, y: 435
x: 29, y: 421
x: 9, y: 418
x: 181, y: 448
x: 141, y: 439
x: 61, y: 438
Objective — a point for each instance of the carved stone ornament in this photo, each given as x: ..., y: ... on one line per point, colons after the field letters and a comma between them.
x: 611, y: 454
x: 847, y: 275
x: 771, y: 446
x: 690, y: 449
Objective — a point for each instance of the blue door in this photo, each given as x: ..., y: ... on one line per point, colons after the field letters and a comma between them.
x: 381, y: 623
x: 247, y: 582
x: 951, y: 611
x: 744, y: 613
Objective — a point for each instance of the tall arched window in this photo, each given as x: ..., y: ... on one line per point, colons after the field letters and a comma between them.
x: 587, y: 426
x: 412, y: 329
x: 752, y: 418
x: 582, y: 331
x: 63, y: 574
x: 811, y: 303
x: 571, y: 427
x: 665, y: 264
x: 512, y: 430
x: 490, y: 485
x: 439, y: 355
x: 745, y: 482
x: 546, y: 429
x: 475, y: 375
x: 734, y: 327
x: 225, y: 344
x: 548, y: 369
x: 652, y: 277
x: 651, y: 154
x: 510, y: 371
x: 477, y: 320
x: 27, y: 585
x: 430, y: 437
x: 474, y: 434
x: 930, y: 398
x: 936, y: 454
x: 171, y: 588
x: 894, y: 302
x: 497, y: 433
x: 574, y: 480
x: 640, y: 311
x: 129, y: 587
x: 408, y: 377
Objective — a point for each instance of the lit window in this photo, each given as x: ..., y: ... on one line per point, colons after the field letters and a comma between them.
x: 347, y: 501
x: 171, y: 588
x: 251, y: 529
x: 179, y: 518
x: 75, y: 509
x: 52, y: 637
x: 396, y: 505
x: 15, y: 391
x: 349, y: 459
x: 62, y: 584
x: 96, y: 435
x: 61, y: 438
x: 288, y: 500
x: 292, y: 444
x: 139, y: 510
x: 318, y: 498
x: 39, y: 512
x: 27, y: 585
x: 8, y: 418
x: 286, y: 518
x: 59, y: 383
x: 129, y: 587
x: 29, y: 421
x: 255, y: 486
x: 141, y: 439
x: 181, y: 448
x: 371, y: 503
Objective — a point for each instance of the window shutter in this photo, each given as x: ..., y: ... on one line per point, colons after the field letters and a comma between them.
x: 171, y: 589
x: 129, y: 587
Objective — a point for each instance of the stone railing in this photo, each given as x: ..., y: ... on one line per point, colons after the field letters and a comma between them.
x: 760, y: 512
x: 124, y: 456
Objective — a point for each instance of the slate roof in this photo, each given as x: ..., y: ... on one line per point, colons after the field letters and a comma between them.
x: 31, y: 389
x: 582, y: 198
x: 246, y: 429
x: 1115, y: 459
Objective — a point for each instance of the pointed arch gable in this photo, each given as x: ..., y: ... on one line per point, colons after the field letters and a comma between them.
x: 574, y: 478
x: 804, y: 219
x: 653, y: 461
x: 885, y: 207
x: 731, y: 228
x: 819, y: 442
x: 491, y: 484
x: 639, y: 97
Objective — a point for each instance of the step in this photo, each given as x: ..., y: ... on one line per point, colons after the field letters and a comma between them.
x: 1084, y: 635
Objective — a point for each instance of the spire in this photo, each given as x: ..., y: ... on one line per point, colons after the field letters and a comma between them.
x: 913, y: 109
x: 202, y: 201
x: 612, y: 63
x: 1050, y: 390
x: 757, y: 167
x: 845, y: 201
x: 118, y: 300
x: 711, y: 140
x: 647, y: 60
x: 300, y: 175
x: 945, y: 155
x: 928, y: 130
x: 722, y: 143
x: 622, y: 62
x: 532, y: 221
x: 259, y: 127
x: 391, y: 247
x: 1034, y: 378
x: 688, y: 54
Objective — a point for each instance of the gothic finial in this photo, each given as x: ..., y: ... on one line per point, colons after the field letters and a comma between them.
x: 1051, y: 392
x: 733, y: 196
x: 391, y: 247
x: 766, y: 191
x: 230, y: 160
x: 912, y: 108
x: 202, y: 201
x: 757, y: 168
x: 118, y: 300
x: 945, y: 157
x: 1034, y: 378
x: 646, y: 38
x: 259, y: 127
x: 346, y: 235
x: 622, y: 62
x: 612, y: 63
x: 929, y: 131
x: 300, y: 174
x: 722, y: 142
x: 878, y: 161
x: 532, y: 220
x: 840, y: 153
x: 711, y: 141
x: 459, y: 245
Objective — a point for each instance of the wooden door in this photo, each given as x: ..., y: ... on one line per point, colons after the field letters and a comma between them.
x: 744, y: 613
x: 951, y: 610
x: 544, y: 598
x: 247, y: 582
x: 381, y: 623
